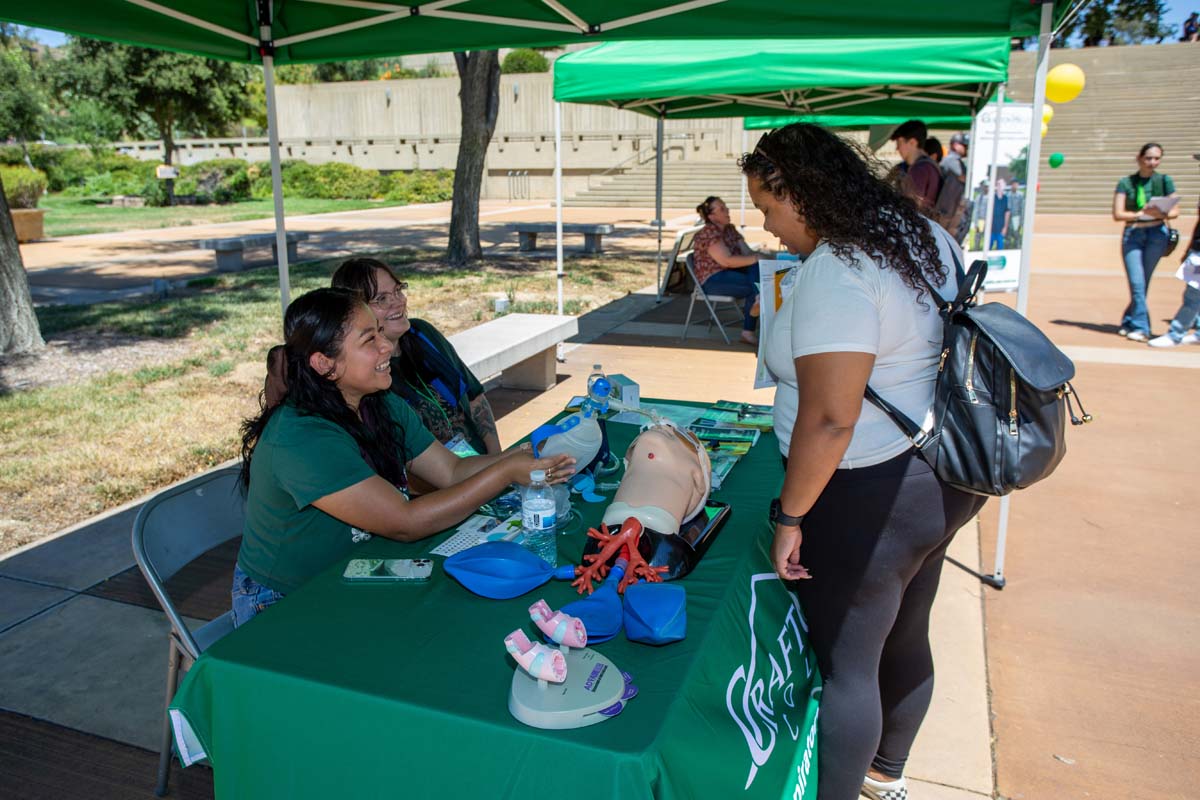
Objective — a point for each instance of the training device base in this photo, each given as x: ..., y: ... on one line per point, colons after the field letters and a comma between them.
x: 595, y: 690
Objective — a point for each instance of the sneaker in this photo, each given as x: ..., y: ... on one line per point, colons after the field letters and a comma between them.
x: 1122, y: 331
x: 749, y: 337
x: 1163, y: 341
x: 1190, y: 338
x: 885, y: 790
x: 1137, y: 336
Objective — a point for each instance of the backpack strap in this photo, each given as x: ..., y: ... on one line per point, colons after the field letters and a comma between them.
x: 925, y: 441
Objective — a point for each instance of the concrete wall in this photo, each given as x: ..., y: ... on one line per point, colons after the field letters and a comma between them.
x: 414, y: 124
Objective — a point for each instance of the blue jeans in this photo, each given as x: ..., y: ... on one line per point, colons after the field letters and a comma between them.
x: 1186, y: 316
x: 250, y: 597
x: 741, y: 282
x: 997, y: 242
x: 1141, y: 248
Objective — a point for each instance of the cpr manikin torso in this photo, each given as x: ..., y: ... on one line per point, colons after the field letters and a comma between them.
x: 666, y: 481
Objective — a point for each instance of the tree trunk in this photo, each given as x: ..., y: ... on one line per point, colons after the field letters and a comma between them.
x: 19, y: 331
x: 479, y: 99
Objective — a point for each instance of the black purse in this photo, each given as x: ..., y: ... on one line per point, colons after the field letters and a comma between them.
x: 1172, y: 241
x: 1001, y: 401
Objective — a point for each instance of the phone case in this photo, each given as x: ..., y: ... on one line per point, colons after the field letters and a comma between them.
x: 364, y: 570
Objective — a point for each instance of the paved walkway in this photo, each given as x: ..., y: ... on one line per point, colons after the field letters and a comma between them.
x: 1081, y: 679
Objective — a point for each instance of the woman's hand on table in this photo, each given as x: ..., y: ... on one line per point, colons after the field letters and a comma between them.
x: 558, y: 468
x: 785, y: 553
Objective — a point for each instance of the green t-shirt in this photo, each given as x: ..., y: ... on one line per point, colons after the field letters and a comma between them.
x: 298, y: 459
x: 1138, y: 190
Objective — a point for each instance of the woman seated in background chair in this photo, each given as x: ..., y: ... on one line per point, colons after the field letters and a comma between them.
x: 426, y: 371
x: 725, y: 264
x: 330, y: 462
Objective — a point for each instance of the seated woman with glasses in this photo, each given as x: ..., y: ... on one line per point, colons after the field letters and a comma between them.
x: 725, y: 264
x: 426, y: 371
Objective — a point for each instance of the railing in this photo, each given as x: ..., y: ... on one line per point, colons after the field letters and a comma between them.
x: 518, y: 184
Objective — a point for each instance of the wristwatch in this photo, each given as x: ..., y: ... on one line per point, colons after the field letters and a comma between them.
x: 780, y: 518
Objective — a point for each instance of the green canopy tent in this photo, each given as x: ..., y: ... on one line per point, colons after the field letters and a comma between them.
x: 297, y: 31
x: 842, y: 83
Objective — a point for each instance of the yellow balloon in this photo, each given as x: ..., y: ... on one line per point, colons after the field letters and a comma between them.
x: 1047, y: 113
x: 1045, y: 129
x: 1064, y: 83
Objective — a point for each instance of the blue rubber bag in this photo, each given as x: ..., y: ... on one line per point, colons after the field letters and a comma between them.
x: 502, y: 570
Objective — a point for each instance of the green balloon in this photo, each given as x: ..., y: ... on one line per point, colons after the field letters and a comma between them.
x: 1056, y: 160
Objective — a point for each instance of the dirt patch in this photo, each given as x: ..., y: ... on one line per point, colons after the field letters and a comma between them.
x: 76, y: 356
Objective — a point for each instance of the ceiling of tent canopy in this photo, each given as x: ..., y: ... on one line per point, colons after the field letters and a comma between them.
x: 334, y: 30
x: 904, y: 78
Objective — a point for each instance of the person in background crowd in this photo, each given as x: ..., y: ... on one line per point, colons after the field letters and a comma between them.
x: 1191, y: 28
x: 919, y: 175
x: 1001, y: 217
x: 858, y: 506
x: 933, y: 148
x: 426, y: 369
x: 951, y: 205
x: 1182, y: 329
x: 329, y: 464
x: 1145, y: 237
x: 725, y: 264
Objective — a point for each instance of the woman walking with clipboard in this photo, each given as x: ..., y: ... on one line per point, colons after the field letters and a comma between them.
x: 1144, y: 201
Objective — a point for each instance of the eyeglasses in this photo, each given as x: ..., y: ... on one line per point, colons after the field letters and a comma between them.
x: 387, y: 298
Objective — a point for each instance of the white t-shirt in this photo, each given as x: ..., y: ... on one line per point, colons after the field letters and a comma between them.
x: 835, y: 307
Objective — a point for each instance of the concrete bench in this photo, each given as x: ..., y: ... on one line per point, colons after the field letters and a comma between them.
x: 522, y: 348
x: 229, y: 251
x: 593, y: 235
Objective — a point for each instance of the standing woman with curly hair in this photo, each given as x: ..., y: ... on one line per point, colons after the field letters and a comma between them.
x: 862, y: 522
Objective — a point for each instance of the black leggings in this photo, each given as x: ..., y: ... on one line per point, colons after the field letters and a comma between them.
x: 874, y: 543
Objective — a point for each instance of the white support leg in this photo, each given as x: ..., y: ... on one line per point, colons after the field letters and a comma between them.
x: 268, y: 64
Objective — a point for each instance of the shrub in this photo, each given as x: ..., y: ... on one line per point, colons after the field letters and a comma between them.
x: 299, y: 179
x: 23, y: 187
x: 219, y: 180
x: 337, y: 181
x: 67, y: 167
x: 127, y: 176
x: 421, y: 186
x: 524, y: 60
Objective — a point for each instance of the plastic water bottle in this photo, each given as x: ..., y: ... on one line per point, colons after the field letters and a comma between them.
x: 538, y: 518
x: 597, y: 373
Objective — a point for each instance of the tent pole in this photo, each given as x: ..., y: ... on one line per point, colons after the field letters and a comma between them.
x: 992, y: 169
x: 658, y: 211
x: 558, y: 201
x: 743, y: 225
x: 1035, y: 157
x: 1031, y: 181
x: 268, y: 65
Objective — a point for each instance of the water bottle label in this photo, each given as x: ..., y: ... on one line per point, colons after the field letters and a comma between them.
x: 538, y: 520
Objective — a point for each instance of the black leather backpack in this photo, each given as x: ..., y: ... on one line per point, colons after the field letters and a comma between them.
x: 1002, y: 397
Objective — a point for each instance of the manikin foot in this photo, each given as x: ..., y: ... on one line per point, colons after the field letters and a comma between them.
x: 542, y: 662
x: 559, y: 627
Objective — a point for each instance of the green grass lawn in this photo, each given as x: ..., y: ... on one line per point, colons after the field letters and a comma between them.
x: 71, y: 216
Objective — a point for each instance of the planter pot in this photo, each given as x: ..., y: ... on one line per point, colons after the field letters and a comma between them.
x: 29, y: 224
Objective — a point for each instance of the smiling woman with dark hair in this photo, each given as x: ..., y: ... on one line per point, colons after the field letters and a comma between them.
x: 876, y: 520
x: 426, y: 369
x: 329, y: 463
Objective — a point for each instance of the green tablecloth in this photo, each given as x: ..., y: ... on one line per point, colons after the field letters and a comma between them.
x: 397, y: 690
